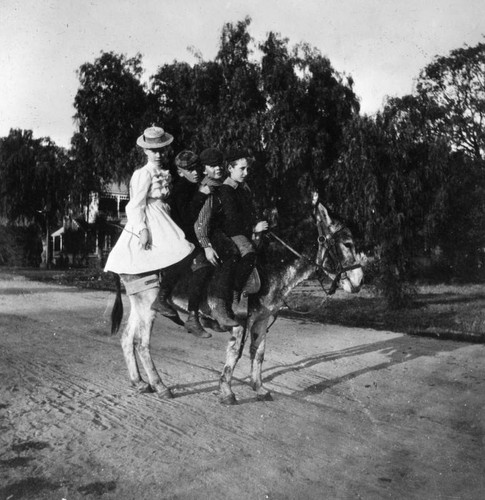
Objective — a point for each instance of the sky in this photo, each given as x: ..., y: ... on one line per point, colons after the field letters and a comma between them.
x: 382, y: 44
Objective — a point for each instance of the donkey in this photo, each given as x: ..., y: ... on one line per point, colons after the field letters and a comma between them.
x: 336, y: 257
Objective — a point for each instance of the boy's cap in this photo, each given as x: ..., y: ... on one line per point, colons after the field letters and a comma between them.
x: 237, y: 154
x: 187, y: 160
x: 212, y: 157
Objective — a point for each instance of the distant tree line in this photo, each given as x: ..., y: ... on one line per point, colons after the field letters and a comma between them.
x: 408, y: 180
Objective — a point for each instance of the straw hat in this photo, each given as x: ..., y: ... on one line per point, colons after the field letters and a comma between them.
x: 154, y: 138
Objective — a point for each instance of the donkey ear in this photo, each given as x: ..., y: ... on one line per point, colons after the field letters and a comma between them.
x: 315, y: 196
x: 324, y: 214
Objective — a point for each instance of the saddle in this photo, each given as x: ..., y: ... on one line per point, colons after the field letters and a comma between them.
x: 135, y: 283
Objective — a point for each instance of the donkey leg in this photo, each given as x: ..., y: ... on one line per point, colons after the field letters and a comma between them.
x: 233, y: 353
x: 256, y: 350
x: 128, y: 346
x: 146, y: 317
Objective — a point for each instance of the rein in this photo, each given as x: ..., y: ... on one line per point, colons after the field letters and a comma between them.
x: 333, y: 287
x: 328, y: 242
x: 330, y: 291
x: 341, y: 271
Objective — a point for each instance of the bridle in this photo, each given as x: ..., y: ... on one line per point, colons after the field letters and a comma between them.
x: 327, y: 250
x: 327, y: 246
x: 328, y: 233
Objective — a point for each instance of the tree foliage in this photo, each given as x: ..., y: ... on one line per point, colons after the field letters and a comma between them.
x: 392, y: 174
x: 112, y: 109
x: 289, y: 109
x: 34, y: 179
x: 409, y: 179
x: 213, y: 103
x: 461, y: 230
x: 391, y: 182
x: 452, y: 90
x: 186, y: 96
x: 308, y: 106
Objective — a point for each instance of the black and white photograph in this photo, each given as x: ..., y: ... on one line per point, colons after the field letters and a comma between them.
x: 242, y: 250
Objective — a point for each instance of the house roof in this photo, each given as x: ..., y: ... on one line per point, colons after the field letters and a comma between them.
x: 58, y: 232
x: 75, y: 225
x: 115, y: 188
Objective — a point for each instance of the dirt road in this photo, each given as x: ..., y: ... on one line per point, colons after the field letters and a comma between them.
x: 357, y: 413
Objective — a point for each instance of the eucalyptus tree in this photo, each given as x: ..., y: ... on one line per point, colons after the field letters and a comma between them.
x: 213, y: 103
x: 241, y: 101
x: 308, y: 105
x: 112, y: 109
x: 33, y: 178
x: 452, y: 90
x: 188, y: 99
x: 288, y: 107
x: 394, y: 181
x: 34, y: 187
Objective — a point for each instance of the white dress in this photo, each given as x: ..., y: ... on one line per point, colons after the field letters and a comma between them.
x: 149, y: 187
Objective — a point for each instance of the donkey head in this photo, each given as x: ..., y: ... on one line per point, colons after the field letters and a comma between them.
x: 336, y: 254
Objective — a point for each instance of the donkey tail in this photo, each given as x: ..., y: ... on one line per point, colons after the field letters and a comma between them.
x: 117, y: 311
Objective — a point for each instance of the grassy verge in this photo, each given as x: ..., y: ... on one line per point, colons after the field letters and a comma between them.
x: 444, y: 311
x: 93, y: 279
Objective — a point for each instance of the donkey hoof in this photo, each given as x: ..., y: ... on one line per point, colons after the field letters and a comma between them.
x: 264, y: 397
x: 228, y: 400
x: 142, y: 387
x: 164, y: 393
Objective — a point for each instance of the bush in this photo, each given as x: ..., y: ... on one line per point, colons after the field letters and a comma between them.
x: 20, y: 246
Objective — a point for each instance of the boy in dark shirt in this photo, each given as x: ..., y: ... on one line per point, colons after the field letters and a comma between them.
x: 225, y: 229
x: 186, y: 201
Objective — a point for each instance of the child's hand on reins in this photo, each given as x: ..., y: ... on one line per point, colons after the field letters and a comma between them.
x: 261, y: 226
x: 211, y: 256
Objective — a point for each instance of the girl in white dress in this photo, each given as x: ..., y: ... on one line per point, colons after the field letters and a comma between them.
x: 151, y: 240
